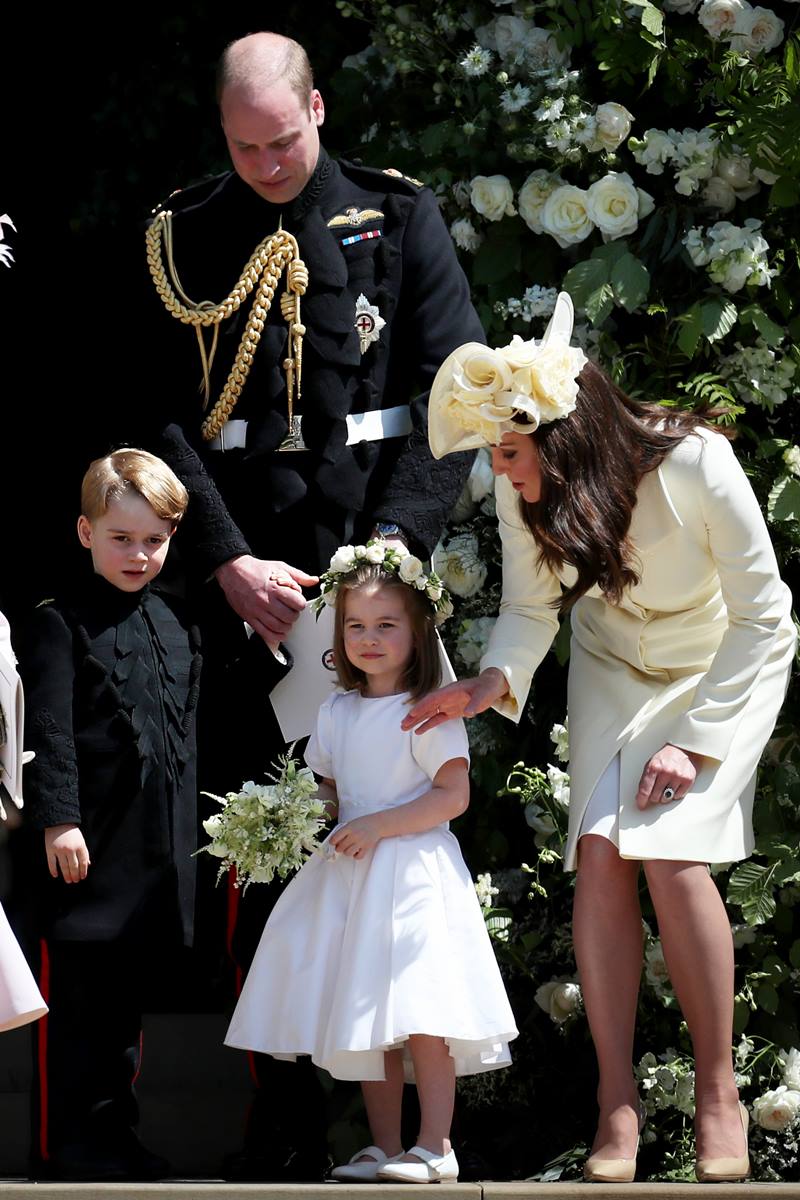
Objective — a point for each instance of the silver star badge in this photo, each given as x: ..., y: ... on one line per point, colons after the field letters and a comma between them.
x: 368, y: 322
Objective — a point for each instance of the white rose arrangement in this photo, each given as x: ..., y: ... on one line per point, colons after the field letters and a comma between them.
x: 616, y: 205
x: 492, y: 196
x: 267, y: 829
x: 750, y: 30
x: 460, y: 565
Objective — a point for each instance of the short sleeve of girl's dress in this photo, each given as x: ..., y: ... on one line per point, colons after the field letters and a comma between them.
x: 319, y: 751
x: 433, y: 749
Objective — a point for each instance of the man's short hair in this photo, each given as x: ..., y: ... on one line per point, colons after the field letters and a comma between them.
x: 125, y: 470
x: 256, y: 71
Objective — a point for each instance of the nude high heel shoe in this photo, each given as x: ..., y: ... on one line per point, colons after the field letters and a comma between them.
x: 614, y: 1170
x: 724, y: 1170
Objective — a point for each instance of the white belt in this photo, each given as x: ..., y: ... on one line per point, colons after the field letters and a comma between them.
x: 371, y: 426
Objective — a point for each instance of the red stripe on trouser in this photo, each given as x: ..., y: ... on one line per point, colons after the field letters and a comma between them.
x: 41, y: 1056
x: 139, y: 1063
x: 234, y: 896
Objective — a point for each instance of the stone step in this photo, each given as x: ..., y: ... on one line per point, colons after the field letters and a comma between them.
x: 213, y: 1190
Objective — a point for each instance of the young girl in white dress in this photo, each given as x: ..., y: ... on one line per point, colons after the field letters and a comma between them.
x: 376, y: 961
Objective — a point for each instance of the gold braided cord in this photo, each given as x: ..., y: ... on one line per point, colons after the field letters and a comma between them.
x: 262, y: 273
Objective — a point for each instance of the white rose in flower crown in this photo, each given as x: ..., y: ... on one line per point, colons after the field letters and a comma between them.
x: 757, y: 31
x: 433, y: 592
x: 614, y: 204
x: 465, y: 235
x: 532, y: 195
x: 612, y: 125
x: 719, y: 17
x: 375, y: 553
x: 492, y: 196
x: 360, y: 552
x: 559, y: 998
x: 565, y: 215
x: 777, y: 1109
x: 410, y: 569
x: 343, y: 560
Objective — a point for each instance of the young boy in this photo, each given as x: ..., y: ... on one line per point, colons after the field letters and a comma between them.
x: 110, y: 670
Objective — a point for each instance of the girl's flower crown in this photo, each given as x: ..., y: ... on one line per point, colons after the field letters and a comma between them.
x: 391, y: 557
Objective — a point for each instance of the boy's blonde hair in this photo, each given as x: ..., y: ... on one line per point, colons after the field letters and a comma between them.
x: 110, y: 477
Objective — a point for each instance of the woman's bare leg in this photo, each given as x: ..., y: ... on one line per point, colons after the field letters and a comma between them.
x: 607, y: 935
x: 698, y: 950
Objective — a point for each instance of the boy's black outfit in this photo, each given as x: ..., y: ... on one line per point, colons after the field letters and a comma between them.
x: 111, y: 682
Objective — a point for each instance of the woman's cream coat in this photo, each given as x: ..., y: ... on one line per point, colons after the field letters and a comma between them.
x: 697, y: 654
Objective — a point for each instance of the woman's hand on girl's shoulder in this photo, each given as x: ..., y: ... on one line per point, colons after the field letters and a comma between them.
x: 464, y: 698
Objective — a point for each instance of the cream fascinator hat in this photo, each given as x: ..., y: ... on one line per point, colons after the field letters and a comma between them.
x: 479, y: 393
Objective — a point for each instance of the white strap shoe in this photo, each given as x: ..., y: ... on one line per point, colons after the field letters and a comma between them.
x: 364, y: 1172
x: 434, y: 1168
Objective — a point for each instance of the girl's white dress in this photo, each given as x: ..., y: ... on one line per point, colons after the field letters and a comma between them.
x: 20, y: 998
x: 360, y: 953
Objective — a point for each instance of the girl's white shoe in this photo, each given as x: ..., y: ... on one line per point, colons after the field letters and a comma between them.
x: 364, y: 1172
x: 434, y: 1168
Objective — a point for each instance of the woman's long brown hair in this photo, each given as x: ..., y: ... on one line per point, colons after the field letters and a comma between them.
x: 592, y: 463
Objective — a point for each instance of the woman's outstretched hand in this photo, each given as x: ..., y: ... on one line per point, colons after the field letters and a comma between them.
x: 465, y: 698
x: 667, y: 777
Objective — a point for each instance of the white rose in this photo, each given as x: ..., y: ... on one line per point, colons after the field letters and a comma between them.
x: 343, y: 560
x: 213, y: 826
x: 360, y: 552
x: 719, y: 194
x: 559, y: 998
x: 532, y: 195
x: 791, y: 1064
x: 613, y: 205
x: 492, y: 196
x: 376, y: 553
x: 757, y: 31
x: 463, y: 572
x: 736, y: 170
x: 481, y: 478
x: 777, y: 1109
x: 465, y: 235
x: 791, y: 458
x: 565, y: 215
x: 719, y: 17
x: 410, y: 569
x: 612, y: 125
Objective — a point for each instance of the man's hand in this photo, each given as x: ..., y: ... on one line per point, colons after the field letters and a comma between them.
x: 65, y: 848
x: 667, y: 777
x: 465, y: 698
x: 267, y: 595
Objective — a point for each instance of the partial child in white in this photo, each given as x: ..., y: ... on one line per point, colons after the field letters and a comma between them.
x: 376, y: 961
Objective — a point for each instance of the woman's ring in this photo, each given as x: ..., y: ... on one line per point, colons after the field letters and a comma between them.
x: 667, y: 794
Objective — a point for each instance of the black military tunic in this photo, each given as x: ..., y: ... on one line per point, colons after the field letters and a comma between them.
x: 111, y: 688
x: 362, y: 234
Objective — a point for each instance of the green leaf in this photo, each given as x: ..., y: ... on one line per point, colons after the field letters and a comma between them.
x: 651, y: 18
x: 433, y: 139
x: 496, y: 259
x: 785, y: 192
x: 783, y: 502
x: 754, y: 314
x: 599, y: 304
x: 630, y: 280
x: 583, y: 279
x: 561, y: 644
x: 750, y: 887
x: 767, y: 998
x: 776, y: 968
x: 498, y: 920
x: 691, y: 328
x: 718, y: 317
x: 611, y: 252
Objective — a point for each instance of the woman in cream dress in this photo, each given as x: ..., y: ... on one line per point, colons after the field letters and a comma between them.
x: 645, y: 529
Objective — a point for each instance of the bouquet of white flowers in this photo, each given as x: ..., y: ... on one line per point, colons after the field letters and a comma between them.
x: 267, y: 829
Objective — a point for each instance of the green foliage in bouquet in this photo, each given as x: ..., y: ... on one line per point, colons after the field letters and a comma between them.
x: 267, y: 829
x: 646, y: 157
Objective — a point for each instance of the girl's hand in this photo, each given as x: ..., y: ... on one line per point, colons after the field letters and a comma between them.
x: 357, y: 837
x: 465, y: 698
x: 672, y: 770
x: 65, y: 848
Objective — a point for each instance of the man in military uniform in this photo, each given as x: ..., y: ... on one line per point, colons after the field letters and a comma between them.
x: 322, y: 297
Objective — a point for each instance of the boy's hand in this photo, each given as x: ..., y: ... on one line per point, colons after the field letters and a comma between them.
x: 65, y: 848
